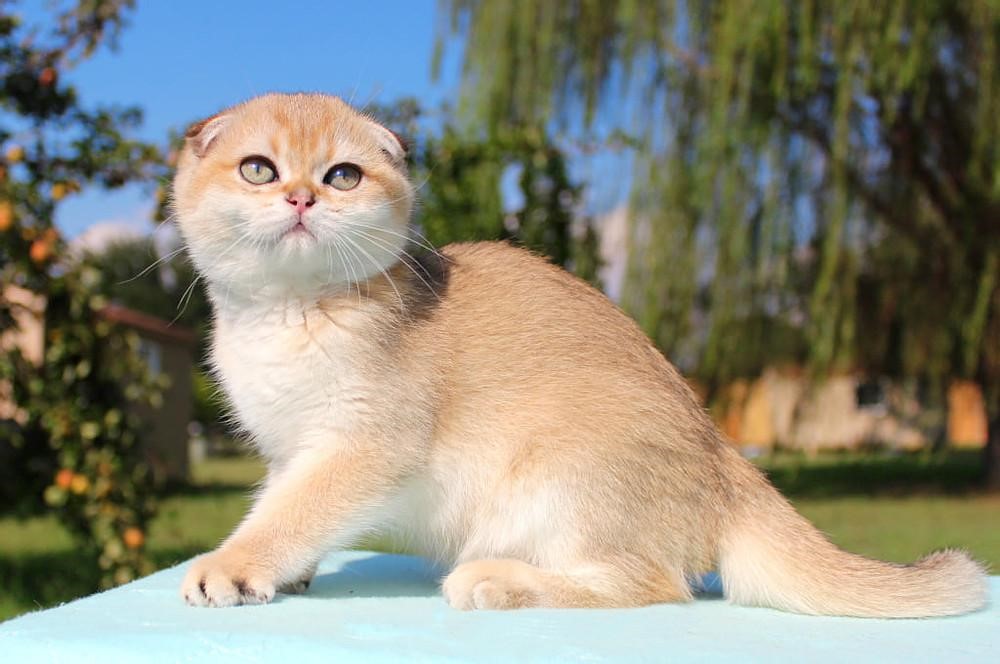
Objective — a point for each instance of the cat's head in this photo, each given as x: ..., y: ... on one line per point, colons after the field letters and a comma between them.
x: 289, y: 193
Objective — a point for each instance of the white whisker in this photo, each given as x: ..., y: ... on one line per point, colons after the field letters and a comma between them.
x: 388, y: 277
x: 350, y: 265
x: 403, y: 256
x: 152, y: 265
x: 424, y: 244
x: 186, y: 299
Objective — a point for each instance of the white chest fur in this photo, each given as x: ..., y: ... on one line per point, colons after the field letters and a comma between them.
x: 294, y: 375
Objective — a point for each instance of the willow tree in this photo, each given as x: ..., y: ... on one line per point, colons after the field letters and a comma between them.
x: 825, y: 171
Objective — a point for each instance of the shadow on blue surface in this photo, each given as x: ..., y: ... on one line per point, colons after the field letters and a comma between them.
x: 388, y: 575
x: 380, y: 575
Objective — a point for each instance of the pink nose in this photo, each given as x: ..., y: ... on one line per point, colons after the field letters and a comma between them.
x: 301, y: 200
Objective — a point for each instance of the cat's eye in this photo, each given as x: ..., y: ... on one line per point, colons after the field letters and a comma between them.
x: 343, y: 177
x: 258, y: 170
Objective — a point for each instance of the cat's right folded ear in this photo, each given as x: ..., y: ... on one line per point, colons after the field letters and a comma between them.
x: 201, y: 134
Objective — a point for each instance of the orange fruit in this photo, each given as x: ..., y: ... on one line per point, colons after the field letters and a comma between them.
x: 15, y: 153
x: 40, y: 251
x: 58, y: 191
x: 6, y: 216
x: 64, y: 478
x: 79, y: 484
x: 133, y: 537
x: 47, y: 76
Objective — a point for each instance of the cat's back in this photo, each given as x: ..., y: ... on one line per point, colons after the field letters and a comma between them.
x: 518, y: 303
x: 521, y: 287
x: 531, y: 335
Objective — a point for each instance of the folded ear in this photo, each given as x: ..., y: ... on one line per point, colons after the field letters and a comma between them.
x: 201, y: 134
x: 392, y: 144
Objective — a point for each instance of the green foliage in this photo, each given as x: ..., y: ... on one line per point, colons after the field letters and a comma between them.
x: 41, y: 564
x: 462, y: 198
x: 138, y: 277
x: 72, y: 443
x: 76, y: 445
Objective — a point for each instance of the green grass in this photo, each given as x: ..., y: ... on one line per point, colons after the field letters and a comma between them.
x: 891, y: 507
x: 894, y: 507
x: 39, y: 564
x: 904, y: 529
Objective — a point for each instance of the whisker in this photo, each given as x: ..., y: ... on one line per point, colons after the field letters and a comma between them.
x: 405, y: 258
x: 361, y: 269
x: 402, y: 305
x: 152, y: 265
x: 423, y: 245
x: 343, y: 261
x: 350, y: 265
x: 402, y: 253
x: 186, y: 299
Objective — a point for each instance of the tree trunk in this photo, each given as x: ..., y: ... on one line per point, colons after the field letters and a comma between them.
x: 991, y: 454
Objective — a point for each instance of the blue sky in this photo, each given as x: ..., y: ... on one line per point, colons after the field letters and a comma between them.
x: 183, y: 60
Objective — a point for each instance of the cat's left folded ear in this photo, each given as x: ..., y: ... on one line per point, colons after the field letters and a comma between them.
x: 393, y: 145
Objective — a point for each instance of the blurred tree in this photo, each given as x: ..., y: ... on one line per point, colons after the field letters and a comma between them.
x: 72, y: 442
x: 137, y: 275
x: 463, y: 197
x: 162, y: 282
x: 826, y: 165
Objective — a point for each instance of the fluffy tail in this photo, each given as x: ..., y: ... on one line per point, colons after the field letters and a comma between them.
x: 771, y: 556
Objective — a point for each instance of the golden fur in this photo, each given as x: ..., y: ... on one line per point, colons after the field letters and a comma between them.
x: 479, y: 405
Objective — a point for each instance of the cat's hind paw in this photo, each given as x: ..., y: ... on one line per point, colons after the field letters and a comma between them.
x: 490, y: 584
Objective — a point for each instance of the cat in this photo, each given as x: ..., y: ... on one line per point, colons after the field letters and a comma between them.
x: 479, y: 405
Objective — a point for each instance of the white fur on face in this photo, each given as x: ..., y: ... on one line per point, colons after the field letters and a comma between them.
x: 251, y: 248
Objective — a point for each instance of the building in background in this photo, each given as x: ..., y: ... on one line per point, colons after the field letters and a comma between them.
x: 166, y: 349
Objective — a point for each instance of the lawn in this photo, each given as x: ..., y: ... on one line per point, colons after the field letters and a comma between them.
x: 891, y: 507
x: 39, y: 564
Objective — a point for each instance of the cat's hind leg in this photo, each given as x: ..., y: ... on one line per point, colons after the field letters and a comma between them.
x: 506, y: 583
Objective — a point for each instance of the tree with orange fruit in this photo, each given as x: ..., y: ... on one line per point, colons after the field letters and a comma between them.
x: 72, y: 448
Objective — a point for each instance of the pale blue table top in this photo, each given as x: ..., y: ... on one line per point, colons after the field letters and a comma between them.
x: 380, y: 608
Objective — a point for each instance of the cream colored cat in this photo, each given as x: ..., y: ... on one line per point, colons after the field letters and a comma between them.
x: 481, y: 406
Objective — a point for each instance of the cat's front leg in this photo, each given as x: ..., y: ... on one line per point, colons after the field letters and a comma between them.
x: 319, y: 502
x: 301, y: 584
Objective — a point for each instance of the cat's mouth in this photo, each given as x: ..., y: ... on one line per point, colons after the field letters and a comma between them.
x: 298, y: 229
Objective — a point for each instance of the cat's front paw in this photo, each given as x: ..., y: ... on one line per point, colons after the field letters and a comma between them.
x: 227, y: 578
x: 299, y: 585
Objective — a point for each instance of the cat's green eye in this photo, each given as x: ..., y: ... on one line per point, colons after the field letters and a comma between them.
x: 258, y: 170
x: 343, y: 177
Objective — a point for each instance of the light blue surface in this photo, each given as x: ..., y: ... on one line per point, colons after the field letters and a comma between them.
x: 380, y: 608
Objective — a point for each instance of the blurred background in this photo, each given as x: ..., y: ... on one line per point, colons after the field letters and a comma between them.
x: 798, y: 200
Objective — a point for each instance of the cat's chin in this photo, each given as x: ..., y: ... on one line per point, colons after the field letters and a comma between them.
x: 299, y: 232
x: 297, y: 243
